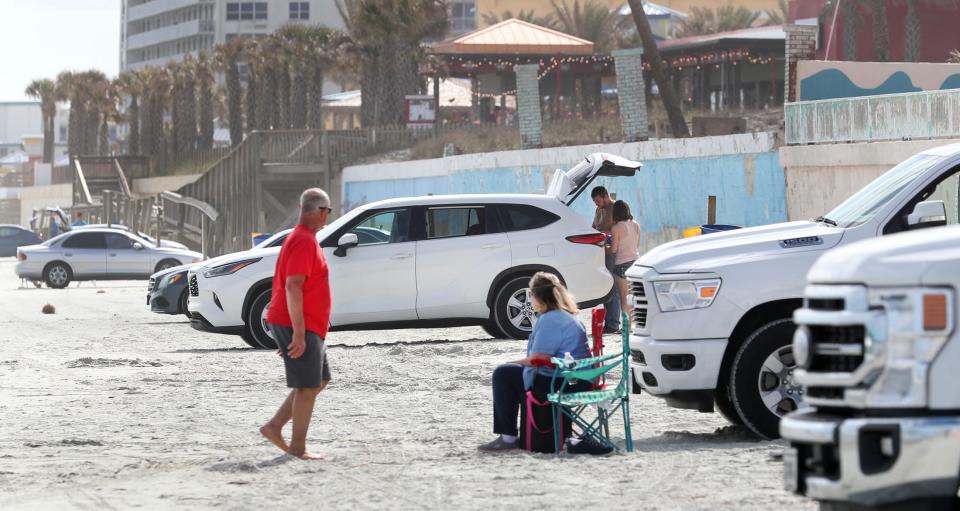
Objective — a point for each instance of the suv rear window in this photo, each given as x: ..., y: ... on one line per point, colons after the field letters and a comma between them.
x: 521, y: 217
x: 85, y: 240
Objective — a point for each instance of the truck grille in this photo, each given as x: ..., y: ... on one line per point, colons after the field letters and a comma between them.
x: 194, y: 288
x: 836, y: 349
x: 826, y: 304
x: 639, y: 292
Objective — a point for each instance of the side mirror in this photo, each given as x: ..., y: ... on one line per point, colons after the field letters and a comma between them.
x: 137, y: 245
x: 927, y: 214
x: 347, y: 241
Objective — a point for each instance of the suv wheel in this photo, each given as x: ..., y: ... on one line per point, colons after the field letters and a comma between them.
x: 512, y: 313
x: 57, y: 275
x: 491, y: 329
x: 761, y: 380
x: 256, y: 324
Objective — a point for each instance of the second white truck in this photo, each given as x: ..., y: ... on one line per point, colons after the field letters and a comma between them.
x: 713, y: 315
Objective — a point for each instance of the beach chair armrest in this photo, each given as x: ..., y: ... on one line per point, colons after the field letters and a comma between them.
x: 580, y: 363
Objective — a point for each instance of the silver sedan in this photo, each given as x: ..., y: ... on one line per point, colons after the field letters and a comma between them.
x: 97, y: 254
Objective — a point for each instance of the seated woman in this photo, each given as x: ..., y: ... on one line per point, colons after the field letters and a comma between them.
x: 556, y: 332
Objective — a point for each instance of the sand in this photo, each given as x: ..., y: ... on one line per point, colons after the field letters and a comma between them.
x: 105, y: 405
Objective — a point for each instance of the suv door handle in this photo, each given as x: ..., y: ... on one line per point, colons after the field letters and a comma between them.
x: 401, y: 256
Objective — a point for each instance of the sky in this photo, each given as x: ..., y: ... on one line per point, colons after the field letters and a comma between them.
x: 43, y: 37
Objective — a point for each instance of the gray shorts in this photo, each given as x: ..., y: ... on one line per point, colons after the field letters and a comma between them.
x: 308, y: 370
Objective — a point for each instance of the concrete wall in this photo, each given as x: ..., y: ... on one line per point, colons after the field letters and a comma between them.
x: 818, y: 79
x: 820, y: 177
x: 36, y: 197
x: 155, y: 185
x: 668, y: 194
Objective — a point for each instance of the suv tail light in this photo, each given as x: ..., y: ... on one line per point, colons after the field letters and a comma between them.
x: 21, y: 256
x: 598, y: 239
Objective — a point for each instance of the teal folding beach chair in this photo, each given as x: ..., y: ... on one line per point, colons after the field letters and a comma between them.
x: 589, y: 411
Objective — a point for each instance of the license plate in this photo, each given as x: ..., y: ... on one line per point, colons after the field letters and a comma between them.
x: 791, y: 470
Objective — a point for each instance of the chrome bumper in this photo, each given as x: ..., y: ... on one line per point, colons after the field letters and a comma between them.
x: 870, y: 461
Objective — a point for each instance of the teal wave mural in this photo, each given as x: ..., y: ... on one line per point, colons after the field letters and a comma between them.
x: 833, y: 83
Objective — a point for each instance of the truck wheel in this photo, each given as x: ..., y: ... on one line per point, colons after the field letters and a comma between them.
x: 57, y: 275
x: 512, y: 313
x: 491, y: 329
x: 725, y: 405
x: 256, y: 323
x: 761, y: 378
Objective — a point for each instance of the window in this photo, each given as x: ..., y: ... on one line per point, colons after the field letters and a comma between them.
x: 449, y: 222
x: 233, y: 11
x: 519, y: 217
x: 946, y: 188
x: 463, y: 16
x: 246, y: 11
x: 85, y: 240
x: 118, y: 241
x: 383, y: 227
x: 7, y: 231
x: 260, y: 10
x: 299, y: 10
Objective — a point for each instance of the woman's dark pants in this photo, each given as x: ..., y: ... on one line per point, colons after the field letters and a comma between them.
x: 509, y: 394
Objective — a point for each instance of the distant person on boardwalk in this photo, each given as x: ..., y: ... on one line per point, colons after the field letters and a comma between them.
x: 625, y: 248
x: 78, y: 220
x: 299, y: 317
x: 603, y: 222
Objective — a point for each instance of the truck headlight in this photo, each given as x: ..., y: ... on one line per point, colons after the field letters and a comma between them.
x: 681, y: 295
x: 229, y: 268
x: 917, y: 321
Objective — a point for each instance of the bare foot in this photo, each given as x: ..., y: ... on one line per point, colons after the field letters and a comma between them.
x: 307, y: 455
x: 274, y: 435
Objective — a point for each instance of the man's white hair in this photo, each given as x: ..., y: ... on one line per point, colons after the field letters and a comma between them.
x: 313, y: 199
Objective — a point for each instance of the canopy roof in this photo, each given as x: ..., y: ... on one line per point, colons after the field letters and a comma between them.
x: 515, y: 37
x: 746, y: 37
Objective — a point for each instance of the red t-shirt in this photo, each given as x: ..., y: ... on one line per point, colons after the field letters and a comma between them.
x: 301, y: 255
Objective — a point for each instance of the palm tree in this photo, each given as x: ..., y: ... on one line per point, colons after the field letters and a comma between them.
x: 65, y: 84
x: 670, y: 101
x: 205, y: 84
x: 778, y: 16
x: 592, y: 21
x: 912, y: 33
x: 702, y: 21
x: 46, y: 91
x: 227, y: 57
x: 547, y: 20
x: 130, y: 84
x: 387, y: 37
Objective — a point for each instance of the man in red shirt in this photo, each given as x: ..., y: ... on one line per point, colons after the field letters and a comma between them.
x: 299, y: 317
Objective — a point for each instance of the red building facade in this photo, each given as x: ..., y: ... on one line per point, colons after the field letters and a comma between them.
x: 937, y: 34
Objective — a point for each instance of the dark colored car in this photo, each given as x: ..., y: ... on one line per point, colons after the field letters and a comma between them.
x: 13, y: 236
x: 167, y: 291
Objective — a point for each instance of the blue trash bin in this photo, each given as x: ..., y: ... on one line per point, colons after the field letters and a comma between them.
x: 712, y: 228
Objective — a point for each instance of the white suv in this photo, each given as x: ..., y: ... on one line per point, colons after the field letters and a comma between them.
x: 429, y: 261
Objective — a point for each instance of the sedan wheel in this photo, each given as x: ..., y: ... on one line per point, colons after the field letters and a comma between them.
x: 58, y: 275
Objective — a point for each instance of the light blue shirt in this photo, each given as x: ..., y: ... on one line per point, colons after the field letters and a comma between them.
x: 556, y: 333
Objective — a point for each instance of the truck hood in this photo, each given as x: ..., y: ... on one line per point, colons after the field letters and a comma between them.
x: 924, y: 257
x: 711, y: 251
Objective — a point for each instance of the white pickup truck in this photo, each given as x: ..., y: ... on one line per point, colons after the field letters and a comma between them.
x: 878, y: 352
x: 712, y: 320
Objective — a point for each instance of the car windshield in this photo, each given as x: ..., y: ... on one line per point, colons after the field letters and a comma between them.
x: 861, y: 207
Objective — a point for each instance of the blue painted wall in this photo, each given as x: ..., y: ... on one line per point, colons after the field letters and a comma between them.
x: 666, y: 195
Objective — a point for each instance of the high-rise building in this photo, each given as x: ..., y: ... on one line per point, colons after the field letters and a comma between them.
x: 154, y: 32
